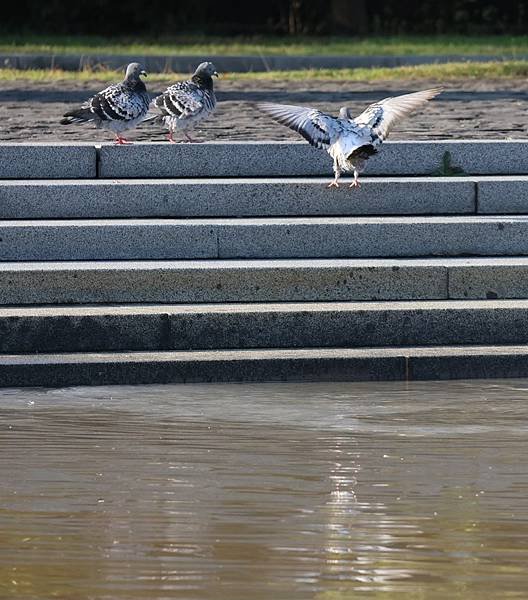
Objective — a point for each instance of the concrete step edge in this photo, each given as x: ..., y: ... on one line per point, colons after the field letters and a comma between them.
x: 252, y: 354
x: 313, y: 364
x: 229, y: 308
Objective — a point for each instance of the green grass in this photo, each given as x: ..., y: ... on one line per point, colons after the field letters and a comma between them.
x: 208, y: 46
x: 439, y: 73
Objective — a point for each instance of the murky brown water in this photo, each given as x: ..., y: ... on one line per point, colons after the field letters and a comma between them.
x: 279, y: 491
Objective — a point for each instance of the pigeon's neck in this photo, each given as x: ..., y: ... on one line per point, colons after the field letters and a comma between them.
x: 204, y: 81
x: 135, y: 84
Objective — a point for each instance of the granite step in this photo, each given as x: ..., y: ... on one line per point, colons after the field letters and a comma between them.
x: 301, y: 364
x: 88, y: 328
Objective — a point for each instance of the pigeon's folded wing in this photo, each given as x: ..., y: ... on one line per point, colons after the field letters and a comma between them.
x: 118, y: 104
x: 382, y: 116
x: 181, y: 100
x: 320, y: 129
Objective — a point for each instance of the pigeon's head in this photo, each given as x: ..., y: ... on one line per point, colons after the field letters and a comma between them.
x: 344, y: 113
x: 206, y: 70
x: 134, y: 71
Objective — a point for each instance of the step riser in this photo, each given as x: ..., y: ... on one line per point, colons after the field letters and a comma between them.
x: 123, y: 371
x: 181, y: 240
x: 142, y: 330
x: 232, y: 199
x: 222, y: 285
x: 247, y: 198
x: 365, y: 369
x: 275, y: 283
x: 250, y: 159
x: 301, y: 160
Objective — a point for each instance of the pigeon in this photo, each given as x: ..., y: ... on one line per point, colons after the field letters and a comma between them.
x: 185, y: 103
x: 118, y: 107
x: 349, y: 141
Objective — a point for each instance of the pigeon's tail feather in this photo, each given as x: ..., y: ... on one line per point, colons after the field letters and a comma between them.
x: 82, y: 115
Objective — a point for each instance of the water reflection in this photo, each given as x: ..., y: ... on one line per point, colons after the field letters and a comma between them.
x: 265, y: 491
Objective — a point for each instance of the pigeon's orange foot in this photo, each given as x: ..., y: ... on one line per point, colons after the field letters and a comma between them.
x: 355, y: 184
x: 333, y: 184
x: 121, y: 141
x: 171, y: 139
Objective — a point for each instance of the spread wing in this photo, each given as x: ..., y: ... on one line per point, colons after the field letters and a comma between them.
x: 118, y: 103
x: 383, y: 115
x: 184, y: 99
x: 320, y: 129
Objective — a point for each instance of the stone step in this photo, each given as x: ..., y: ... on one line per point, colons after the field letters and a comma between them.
x: 301, y: 364
x: 82, y: 199
x: 252, y: 159
x: 306, y: 237
x: 258, y: 197
x: 281, y: 280
x: 289, y: 159
x: 47, y: 161
x: 45, y: 329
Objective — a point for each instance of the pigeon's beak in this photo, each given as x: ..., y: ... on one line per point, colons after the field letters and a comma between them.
x: 144, y: 73
x: 215, y: 74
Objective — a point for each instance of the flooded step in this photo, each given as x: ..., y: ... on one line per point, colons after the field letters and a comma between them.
x: 262, y: 325
x: 302, y: 364
x: 125, y: 198
x: 306, y: 237
x: 275, y: 280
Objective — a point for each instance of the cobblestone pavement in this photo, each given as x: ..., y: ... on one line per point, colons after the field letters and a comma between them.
x: 467, y: 109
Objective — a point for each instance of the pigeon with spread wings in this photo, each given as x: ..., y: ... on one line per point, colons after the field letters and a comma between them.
x: 349, y: 141
x: 118, y: 107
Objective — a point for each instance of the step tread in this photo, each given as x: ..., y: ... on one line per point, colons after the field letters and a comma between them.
x: 236, y: 180
x: 261, y: 221
x: 278, y: 181
x: 264, y: 353
x: 260, y: 307
x: 262, y: 263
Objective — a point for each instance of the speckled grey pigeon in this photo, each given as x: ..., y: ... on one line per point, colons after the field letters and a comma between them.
x: 186, y: 103
x: 118, y: 107
x: 349, y: 141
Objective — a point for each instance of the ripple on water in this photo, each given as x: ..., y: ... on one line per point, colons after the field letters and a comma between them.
x: 265, y: 491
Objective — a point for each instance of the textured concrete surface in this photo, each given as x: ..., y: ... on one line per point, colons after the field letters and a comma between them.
x: 112, y: 239
x: 285, y: 325
x: 233, y: 64
x: 47, y: 161
x: 64, y: 330
x: 373, y: 237
x: 283, y: 280
x: 220, y: 281
x: 287, y: 159
x: 489, y: 278
x: 503, y: 195
x: 187, y: 367
x: 307, y: 237
x: 232, y: 198
x: 317, y: 364
x: 251, y: 159
x: 466, y: 362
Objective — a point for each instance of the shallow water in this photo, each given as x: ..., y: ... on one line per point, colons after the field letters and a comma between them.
x: 238, y: 492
